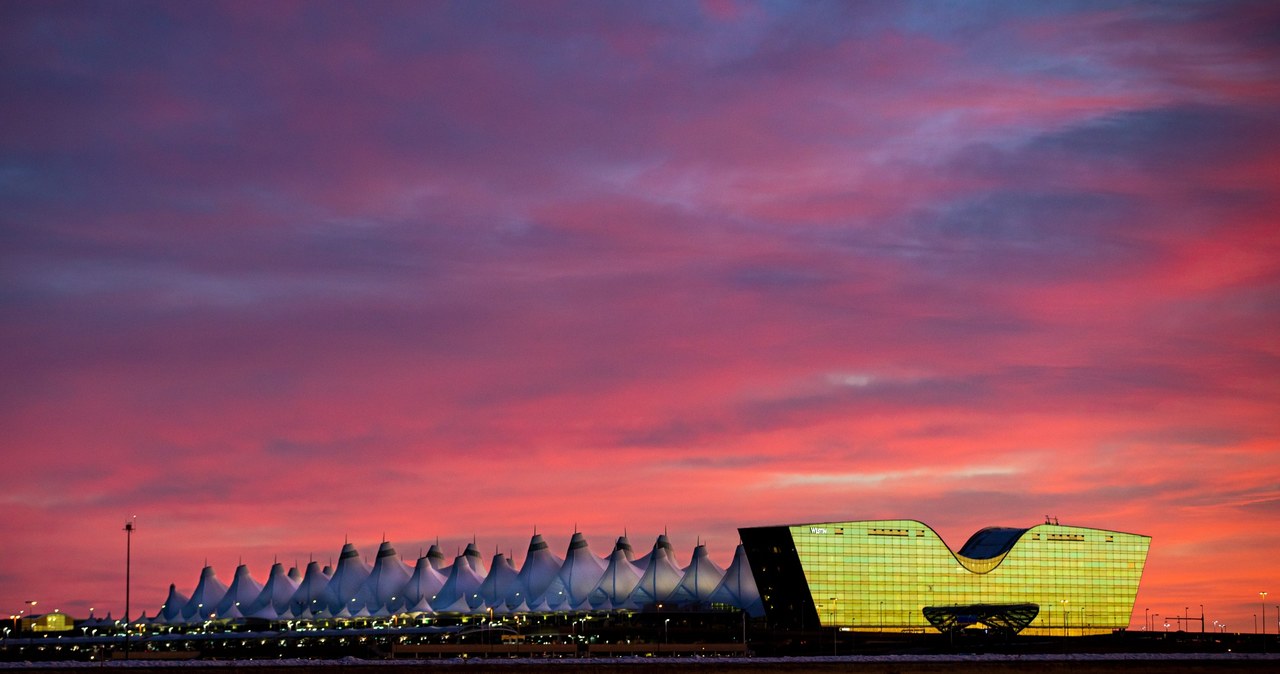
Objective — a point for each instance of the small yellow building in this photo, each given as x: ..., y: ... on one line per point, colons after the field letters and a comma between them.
x: 49, y: 622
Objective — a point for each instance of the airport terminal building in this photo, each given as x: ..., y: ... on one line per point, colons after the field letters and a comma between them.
x: 884, y: 576
x: 899, y: 575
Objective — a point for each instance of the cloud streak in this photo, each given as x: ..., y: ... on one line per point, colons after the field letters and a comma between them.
x: 279, y: 274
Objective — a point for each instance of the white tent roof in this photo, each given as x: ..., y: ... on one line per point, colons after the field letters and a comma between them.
x: 386, y: 581
x: 232, y: 613
x: 578, y: 576
x: 275, y: 594
x: 346, y: 581
x: 458, y: 605
x: 540, y: 568
x: 619, y: 580
x: 661, y: 575
x: 309, y: 594
x: 463, y: 584
x: 437, y: 558
x: 171, y: 611
x: 420, y: 606
x: 501, y: 581
x: 244, y: 591
x: 699, y: 579
x: 265, y: 612
x: 204, y: 599
x: 425, y: 583
x: 545, y: 582
x: 739, y: 586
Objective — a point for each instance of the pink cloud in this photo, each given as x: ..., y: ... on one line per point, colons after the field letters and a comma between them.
x: 463, y: 273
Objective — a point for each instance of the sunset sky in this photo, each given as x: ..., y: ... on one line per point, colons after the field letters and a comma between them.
x: 277, y: 275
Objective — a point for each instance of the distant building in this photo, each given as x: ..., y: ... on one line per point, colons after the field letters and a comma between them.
x: 48, y: 622
x: 899, y: 576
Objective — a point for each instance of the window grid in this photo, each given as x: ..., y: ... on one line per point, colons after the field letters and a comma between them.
x: 882, y: 574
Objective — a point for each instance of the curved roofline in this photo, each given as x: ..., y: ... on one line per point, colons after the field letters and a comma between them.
x: 1005, y: 541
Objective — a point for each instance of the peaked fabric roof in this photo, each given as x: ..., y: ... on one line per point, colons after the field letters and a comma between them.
x: 699, y: 579
x: 171, y: 611
x: 580, y: 581
x: 244, y: 591
x: 276, y: 593
x: 500, y: 582
x: 739, y: 586
x: 661, y: 575
x: 310, y: 591
x: 461, y: 589
x: 340, y: 593
x: 424, y: 584
x: 541, y: 566
x: 578, y: 576
x: 616, y: 585
x: 386, y: 581
x: 204, y: 599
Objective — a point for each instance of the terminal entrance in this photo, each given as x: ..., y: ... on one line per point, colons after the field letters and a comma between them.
x: 1006, y: 619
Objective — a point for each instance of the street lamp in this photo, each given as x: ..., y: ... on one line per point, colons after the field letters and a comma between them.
x: 128, y: 566
x: 666, y: 631
x: 1264, y: 620
x: 835, y: 631
x: 1065, y: 613
x: 1264, y: 612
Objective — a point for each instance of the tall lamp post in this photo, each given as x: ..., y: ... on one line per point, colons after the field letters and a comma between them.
x: 835, y: 631
x: 1264, y: 612
x: 128, y: 566
x: 1264, y: 620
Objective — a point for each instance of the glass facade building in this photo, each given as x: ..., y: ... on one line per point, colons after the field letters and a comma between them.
x: 882, y: 575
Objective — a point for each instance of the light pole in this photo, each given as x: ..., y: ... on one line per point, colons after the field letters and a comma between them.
x: 835, y: 631
x: 1264, y: 612
x: 1264, y: 620
x: 666, y: 631
x: 128, y: 568
x: 1065, y: 613
x: 1146, y: 619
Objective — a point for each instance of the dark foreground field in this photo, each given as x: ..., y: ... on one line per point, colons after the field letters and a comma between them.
x: 1129, y: 664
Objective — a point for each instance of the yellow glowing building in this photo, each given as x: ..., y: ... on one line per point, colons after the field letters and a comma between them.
x: 898, y: 575
x: 49, y: 622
